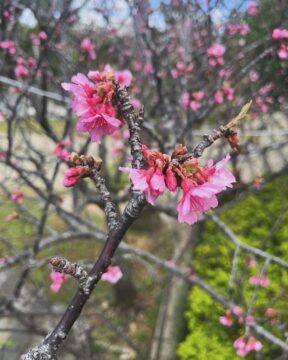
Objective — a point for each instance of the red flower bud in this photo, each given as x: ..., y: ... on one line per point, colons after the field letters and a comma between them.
x: 170, y: 180
x: 73, y: 175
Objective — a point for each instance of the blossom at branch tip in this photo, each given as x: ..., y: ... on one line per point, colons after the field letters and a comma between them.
x: 73, y: 175
x: 57, y: 280
x: 112, y: 275
x: 244, y: 345
x: 92, y: 103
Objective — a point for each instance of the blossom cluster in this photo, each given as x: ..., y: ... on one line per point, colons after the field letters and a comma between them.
x: 194, y: 101
x: 241, y: 29
x: 227, y: 92
x: 200, y: 184
x: 246, y: 344
x: 215, y: 52
x: 38, y: 38
x: 93, y: 101
x: 281, y: 34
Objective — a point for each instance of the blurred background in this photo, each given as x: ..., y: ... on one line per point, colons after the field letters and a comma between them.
x: 192, y: 64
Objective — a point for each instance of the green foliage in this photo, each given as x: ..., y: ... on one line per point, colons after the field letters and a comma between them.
x: 261, y: 220
x: 203, y: 342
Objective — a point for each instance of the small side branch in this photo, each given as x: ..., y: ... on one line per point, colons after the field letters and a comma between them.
x: 93, y: 167
x: 109, y: 206
x: 62, y: 265
x: 134, y: 122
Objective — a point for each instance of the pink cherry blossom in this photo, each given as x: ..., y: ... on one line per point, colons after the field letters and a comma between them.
x: 95, y: 117
x: 193, y: 102
x: 8, y: 45
x: 185, y: 100
x: 283, y: 52
x: 270, y: 312
x: 195, y: 202
x: 260, y: 280
x: 212, y: 62
x: 218, y: 176
x: 73, y: 175
x: 218, y: 97
x: 61, y: 151
x: 252, y: 9
x: 174, y: 73
x: 229, y: 92
x: 35, y: 39
x: 194, y: 105
x: 32, y: 62
x: 124, y: 77
x: 216, y: 50
x: 249, y: 319
x: 198, y: 95
x: 136, y: 103
x: 57, y: 281
x: 151, y: 181
x: 88, y: 46
x: 265, y: 89
x: 244, y: 345
x: 241, y: 29
x: 148, y: 68
x: 226, y: 320
x: 21, y: 71
x: 126, y: 134
x: 279, y: 34
x: 42, y: 35
x: 253, y: 75
x: 112, y: 275
x: 237, y: 310
x: 17, y: 196
x: 197, y: 198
